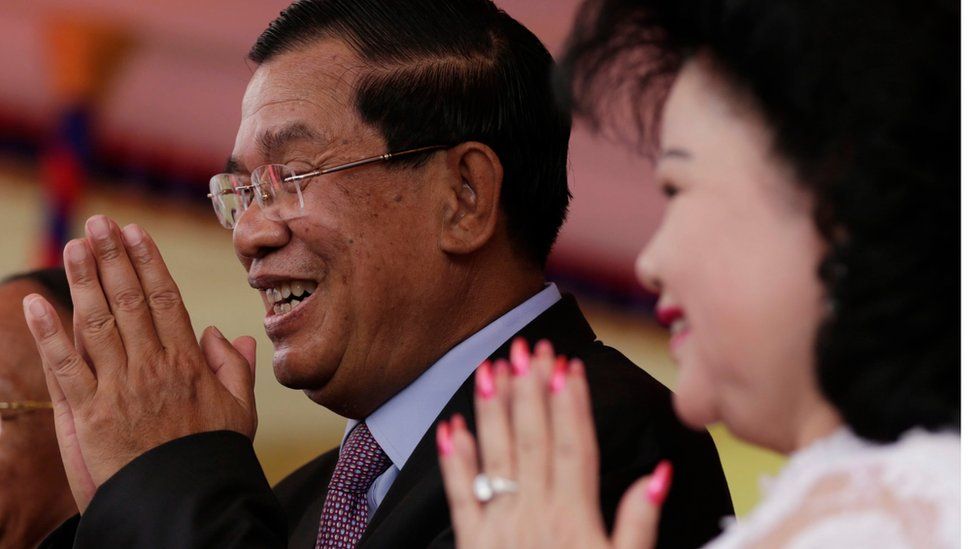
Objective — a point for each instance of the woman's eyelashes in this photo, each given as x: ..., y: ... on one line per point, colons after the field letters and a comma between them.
x: 669, y: 189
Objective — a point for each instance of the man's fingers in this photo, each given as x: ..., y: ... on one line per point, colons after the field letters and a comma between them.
x: 231, y: 367
x: 79, y: 478
x: 72, y: 375
x: 640, y: 510
x: 94, y: 323
x: 248, y: 348
x: 122, y: 289
x: 459, y: 465
x: 172, y: 321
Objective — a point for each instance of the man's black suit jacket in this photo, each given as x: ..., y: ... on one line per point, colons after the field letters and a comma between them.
x: 208, y: 490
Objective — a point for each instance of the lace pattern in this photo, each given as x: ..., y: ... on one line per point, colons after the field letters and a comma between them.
x: 843, y: 491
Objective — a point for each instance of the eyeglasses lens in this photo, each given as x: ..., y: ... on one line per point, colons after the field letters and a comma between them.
x: 228, y: 202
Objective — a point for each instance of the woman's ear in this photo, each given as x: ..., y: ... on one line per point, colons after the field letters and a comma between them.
x: 471, y: 212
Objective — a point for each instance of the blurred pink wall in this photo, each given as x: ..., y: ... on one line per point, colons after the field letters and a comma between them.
x: 179, y: 93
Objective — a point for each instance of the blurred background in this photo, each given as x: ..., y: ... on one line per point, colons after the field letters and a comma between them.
x: 126, y: 108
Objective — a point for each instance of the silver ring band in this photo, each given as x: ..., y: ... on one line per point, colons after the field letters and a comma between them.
x: 487, y: 487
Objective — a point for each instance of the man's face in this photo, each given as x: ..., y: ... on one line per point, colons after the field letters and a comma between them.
x: 35, y: 495
x: 366, y: 246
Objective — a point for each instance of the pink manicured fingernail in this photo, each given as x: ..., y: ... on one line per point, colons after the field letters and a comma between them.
x: 444, y: 443
x: 520, y: 356
x: 484, y: 380
x: 132, y: 234
x: 660, y: 483
x: 457, y: 423
x: 558, y: 379
x: 544, y: 348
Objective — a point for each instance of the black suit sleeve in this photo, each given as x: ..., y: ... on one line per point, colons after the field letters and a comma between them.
x: 204, y: 490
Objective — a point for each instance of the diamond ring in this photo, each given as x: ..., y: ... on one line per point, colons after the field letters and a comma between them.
x: 487, y: 487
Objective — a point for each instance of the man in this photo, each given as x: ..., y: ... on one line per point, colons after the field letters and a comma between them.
x: 387, y: 279
x: 34, y: 498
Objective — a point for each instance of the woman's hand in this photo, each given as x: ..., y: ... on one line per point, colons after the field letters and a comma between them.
x: 534, y: 428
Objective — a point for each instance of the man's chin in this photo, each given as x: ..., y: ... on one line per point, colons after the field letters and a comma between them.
x: 299, y: 375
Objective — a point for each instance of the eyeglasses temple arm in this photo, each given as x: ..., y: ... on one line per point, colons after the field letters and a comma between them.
x: 370, y: 160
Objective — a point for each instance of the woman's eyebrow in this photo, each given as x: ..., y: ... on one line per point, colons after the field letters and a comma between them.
x: 677, y: 153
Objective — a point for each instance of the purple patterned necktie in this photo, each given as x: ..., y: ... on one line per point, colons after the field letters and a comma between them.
x: 345, y: 513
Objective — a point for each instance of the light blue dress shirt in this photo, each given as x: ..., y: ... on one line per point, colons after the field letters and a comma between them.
x: 400, y: 423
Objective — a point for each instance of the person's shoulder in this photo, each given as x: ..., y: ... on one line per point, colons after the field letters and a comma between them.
x: 616, y: 382
x: 631, y: 407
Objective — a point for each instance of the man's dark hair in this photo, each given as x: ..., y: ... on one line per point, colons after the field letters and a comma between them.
x: 54, y: 282
x: 863, y: 101
x: 441, y: 72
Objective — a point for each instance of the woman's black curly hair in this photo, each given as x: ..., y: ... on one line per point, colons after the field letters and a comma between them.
x: 863, y: 98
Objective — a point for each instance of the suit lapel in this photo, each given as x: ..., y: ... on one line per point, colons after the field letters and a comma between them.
x: 415, y: 510
x: 306, y: 530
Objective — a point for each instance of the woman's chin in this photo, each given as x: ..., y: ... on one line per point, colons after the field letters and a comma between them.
x: 694, y: 411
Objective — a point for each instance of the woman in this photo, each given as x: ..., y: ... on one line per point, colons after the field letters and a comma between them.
x: 807, y: 266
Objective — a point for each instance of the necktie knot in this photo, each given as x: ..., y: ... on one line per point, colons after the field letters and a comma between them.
x: 361, y: 460
x: 345, y: 513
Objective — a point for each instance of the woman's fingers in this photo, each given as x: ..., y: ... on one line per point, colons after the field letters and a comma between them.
x: 640, y: 510
x: 494, y: 430
x: 575, y: 455
x: 530, y: 417
x: 459, y: 465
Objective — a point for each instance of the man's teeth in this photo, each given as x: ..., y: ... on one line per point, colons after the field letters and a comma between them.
x: 286, y: 295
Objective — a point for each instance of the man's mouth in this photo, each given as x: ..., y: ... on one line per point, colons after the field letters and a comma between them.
x: 285, y: 295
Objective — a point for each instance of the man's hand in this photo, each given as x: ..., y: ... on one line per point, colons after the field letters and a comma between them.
x: 135, y: 377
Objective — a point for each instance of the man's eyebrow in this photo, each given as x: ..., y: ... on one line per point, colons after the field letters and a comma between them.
x: 274, y: 141
x: 233, y: 165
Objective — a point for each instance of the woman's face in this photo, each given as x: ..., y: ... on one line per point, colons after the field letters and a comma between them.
x: 735, y: 262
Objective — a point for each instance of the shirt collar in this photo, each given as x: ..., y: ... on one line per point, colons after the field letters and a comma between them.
x: 400, y: 423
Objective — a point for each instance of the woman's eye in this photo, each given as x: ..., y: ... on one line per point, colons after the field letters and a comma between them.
x: 670, y: 190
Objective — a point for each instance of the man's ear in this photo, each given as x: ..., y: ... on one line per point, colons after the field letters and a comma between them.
x: 472, y: 210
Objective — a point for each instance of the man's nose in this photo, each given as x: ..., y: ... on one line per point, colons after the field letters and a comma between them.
x: 257, y: 235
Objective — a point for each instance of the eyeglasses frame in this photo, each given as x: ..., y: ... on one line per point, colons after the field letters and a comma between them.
x: 25, y: 406
x: 333, y: 169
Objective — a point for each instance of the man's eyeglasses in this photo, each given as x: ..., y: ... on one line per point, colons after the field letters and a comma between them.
x: 11, y: 410
x: 277, y: 188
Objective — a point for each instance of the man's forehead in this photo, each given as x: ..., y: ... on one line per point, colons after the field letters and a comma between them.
x: 323, y: 73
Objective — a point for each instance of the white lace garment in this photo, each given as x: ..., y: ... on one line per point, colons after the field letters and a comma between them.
x: 843, y: 491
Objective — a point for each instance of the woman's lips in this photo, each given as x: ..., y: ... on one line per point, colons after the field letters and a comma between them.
x: 673, y: 318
